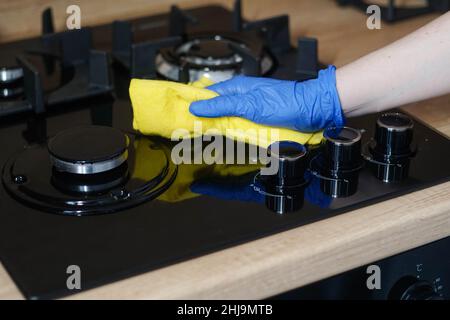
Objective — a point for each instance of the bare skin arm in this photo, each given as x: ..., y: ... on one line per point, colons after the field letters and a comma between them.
x: 414, y: 68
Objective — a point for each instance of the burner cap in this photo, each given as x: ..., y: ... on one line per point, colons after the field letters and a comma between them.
x: 88, y: 150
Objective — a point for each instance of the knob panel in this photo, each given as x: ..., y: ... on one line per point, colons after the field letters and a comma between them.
x: 411, y: 288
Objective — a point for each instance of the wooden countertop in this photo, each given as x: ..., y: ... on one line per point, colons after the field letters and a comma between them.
x: 300, y: 256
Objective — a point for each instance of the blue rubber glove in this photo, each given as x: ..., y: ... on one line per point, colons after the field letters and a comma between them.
x: 304, y: 106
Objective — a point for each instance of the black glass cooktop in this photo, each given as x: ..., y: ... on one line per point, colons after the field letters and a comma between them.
x: 175, y: 212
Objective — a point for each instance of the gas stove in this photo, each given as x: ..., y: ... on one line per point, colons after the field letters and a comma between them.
x: 81, y: 187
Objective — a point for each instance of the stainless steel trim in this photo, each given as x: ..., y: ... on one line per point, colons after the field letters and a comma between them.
x: 89, y: 168
x: 210, y: 61
x: 171, y: 71
x: 8, y: 75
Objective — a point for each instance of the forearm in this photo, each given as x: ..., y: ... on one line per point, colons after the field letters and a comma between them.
x: 413, y: 68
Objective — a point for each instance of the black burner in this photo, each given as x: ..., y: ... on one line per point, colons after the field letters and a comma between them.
x: 88, y: 150
x: 32, y: 178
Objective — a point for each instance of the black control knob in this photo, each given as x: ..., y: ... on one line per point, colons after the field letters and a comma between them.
x: 393, y: 135
x: 341, y: 161
x: 291, y: 159
x: 285, y: 186
x: 411, y: 288
x: 342, y: 147
x: 392, y: 151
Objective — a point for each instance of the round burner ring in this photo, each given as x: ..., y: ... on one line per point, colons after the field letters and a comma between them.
x: 210, y: 55
x: 88, y: 150
x: 30, y: 177
x: 209, y: 52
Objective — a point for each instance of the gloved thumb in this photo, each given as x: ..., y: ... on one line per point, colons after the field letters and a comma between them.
x: 221, y: 106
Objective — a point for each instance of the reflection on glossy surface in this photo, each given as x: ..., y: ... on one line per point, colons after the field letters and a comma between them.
x: 244, y: 183
x: 90, y: 184
x: 335, y: 183
x: 194, y: 180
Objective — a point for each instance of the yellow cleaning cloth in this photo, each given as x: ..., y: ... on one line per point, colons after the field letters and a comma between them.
x: 160, y: 107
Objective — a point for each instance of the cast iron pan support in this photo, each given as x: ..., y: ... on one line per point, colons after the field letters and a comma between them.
x: 47, y: 21
x: 32, y: 86
x: 122, y: 42
x: 73, y: 49
x: 178, y: 21
x: 91, y: 67
x: 251, y: 65
x: 144, y: 56
x: 237, y: 16
x: 138, y: 58
x: 307, y: 64
x: 275, y: 31
x: 277, y: 36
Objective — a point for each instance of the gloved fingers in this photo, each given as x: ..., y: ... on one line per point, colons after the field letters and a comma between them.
x: 233, y: 86
x: 221, y: 106
x: 241, y: 85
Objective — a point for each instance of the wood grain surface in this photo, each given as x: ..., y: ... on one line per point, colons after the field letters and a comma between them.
x: 297, y: 257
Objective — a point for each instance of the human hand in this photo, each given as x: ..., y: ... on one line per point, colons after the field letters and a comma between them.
x: 304, y: 106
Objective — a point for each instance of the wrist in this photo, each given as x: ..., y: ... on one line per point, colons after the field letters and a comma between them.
x: 337, y: 114
x: 318, y: 102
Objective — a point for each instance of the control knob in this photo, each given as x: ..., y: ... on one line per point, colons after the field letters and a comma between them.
x: 285, y: 187
x: 411, y: 288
